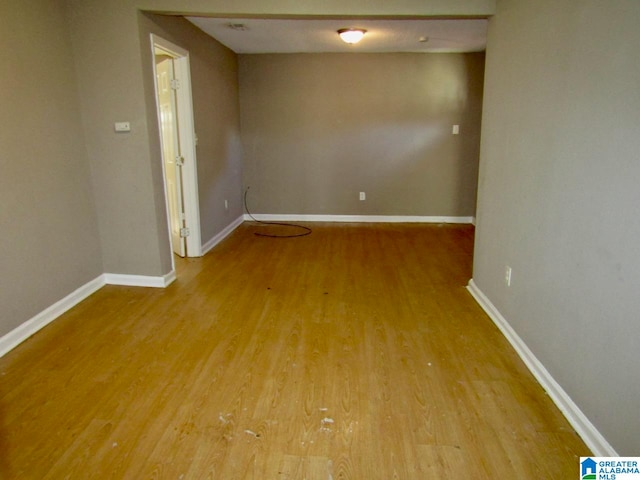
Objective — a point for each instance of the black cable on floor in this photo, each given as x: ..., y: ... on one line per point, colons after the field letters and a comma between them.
x: 307, y: 230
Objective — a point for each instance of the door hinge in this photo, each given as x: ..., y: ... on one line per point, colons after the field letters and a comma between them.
x: 184, y: 232
x: 180, y: 160
x: 175, y: 84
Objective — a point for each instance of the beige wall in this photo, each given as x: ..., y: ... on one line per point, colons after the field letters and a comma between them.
x: 318, y: 129
x: 558, y: 174
x: 79, y: 200
x: 108, y: 49
x: 127, y: 170
x: 558, y: 197
x: 49, y: 244
x: 127, y: 182
x: 481, y: 8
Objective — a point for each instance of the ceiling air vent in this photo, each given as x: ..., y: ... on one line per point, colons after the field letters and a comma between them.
x: 240, y: 27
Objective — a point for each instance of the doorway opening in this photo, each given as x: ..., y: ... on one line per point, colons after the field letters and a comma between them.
x: 177, y: 140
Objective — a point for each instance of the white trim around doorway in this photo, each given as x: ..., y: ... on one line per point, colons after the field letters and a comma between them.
x: 187, y: 143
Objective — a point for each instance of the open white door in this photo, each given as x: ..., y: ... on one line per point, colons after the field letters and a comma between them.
x: 175, y: 118
x: 171, y: 155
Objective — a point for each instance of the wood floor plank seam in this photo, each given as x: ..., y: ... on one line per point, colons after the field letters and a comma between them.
x: 354, y: 352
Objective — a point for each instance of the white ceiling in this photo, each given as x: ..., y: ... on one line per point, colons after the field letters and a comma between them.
x: 313, y: 35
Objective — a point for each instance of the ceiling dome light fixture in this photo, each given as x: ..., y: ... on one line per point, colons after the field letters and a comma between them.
x: 351, y: 35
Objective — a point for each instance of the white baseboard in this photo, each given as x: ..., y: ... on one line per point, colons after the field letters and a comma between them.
x: 222, y: 235
x: 19, y: 334
x: 169, y: 278
x: 23, y: 331
x: 139, y: 280
x: 578, y: 420
x: 357, y: 218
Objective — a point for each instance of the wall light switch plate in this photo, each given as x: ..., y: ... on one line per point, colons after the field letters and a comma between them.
x: 363, y: 196
x: 455, y: 130
x: 122, y: 127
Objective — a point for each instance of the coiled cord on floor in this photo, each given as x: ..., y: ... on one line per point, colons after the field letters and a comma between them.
x: 307, y: 230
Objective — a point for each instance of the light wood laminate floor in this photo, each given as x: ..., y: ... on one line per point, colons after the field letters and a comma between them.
x: 352, y: 353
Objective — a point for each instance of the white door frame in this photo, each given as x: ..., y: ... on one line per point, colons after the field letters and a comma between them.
x: 187, y: 137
